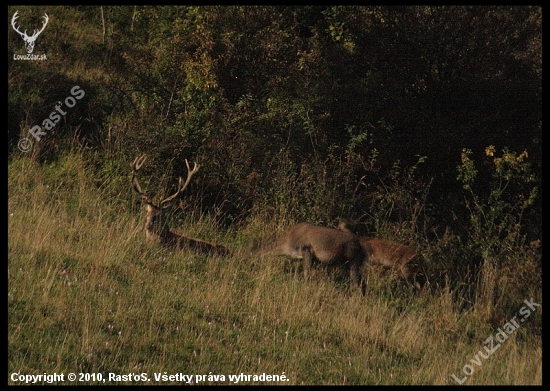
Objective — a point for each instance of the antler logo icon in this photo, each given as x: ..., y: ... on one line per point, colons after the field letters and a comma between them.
x: 29, y: 41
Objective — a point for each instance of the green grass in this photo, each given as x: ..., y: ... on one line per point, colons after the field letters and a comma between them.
x: 86, y: 294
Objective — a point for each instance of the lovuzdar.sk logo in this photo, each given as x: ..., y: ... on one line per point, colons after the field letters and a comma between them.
x: 30, y: 41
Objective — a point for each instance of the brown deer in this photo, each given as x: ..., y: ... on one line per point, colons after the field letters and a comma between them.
x: 391, y: 255
x: 157, y: 230
x: 327, y: 245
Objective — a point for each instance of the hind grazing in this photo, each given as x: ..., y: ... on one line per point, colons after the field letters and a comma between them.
x: 327, y: 245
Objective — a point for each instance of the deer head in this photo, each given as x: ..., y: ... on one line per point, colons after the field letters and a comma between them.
x: 29, y: 41
x: 156, y: 226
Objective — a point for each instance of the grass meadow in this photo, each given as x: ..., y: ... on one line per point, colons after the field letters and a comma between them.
x: 88, y: 295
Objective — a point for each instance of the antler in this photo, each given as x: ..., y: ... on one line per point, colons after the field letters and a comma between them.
x: 181, y: 187
x: 46, y: 19
x: 24, y: 34
x: 136, y: 165
x: 15, y: 16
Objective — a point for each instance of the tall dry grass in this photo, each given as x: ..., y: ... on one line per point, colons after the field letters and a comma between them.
x: 87, y: 295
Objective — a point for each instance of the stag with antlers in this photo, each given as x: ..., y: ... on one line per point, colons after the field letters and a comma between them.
x: 29, y: 41
x: 156, y: 226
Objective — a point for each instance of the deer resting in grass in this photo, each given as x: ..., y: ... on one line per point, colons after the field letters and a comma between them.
x: 390, y: 255
x: 157, y: 230
x: 327, y: 245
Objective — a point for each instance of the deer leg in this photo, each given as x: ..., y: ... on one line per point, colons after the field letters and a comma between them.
x: 307, y: 259
x: 355, y: 278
